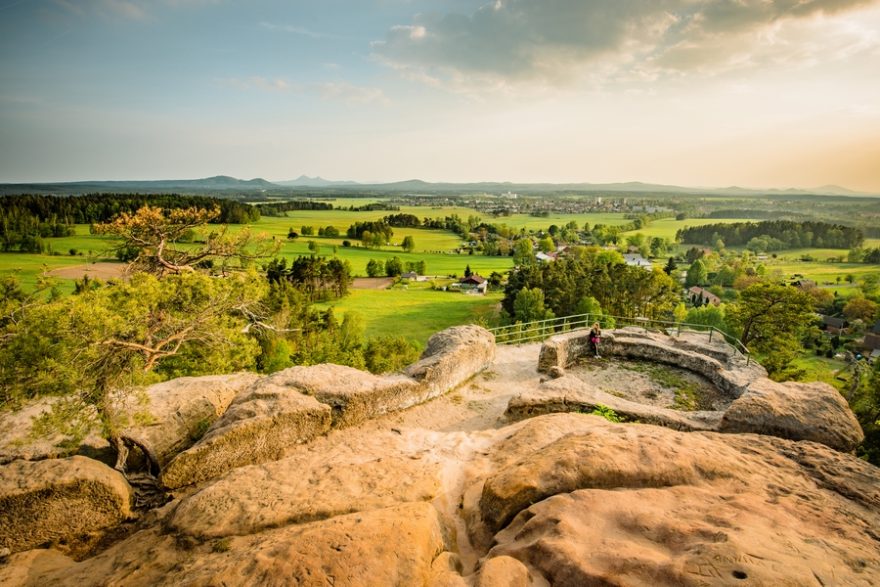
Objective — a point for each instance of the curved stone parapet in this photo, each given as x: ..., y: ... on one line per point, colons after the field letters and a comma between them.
x: 796, y: 411
x: 716, y: 361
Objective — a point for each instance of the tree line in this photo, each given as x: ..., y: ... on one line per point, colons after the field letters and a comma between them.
x: 774, y: 235
x: 27, y: 219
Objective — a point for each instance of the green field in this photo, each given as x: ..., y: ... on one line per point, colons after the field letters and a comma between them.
x: 667, y: 227
x: 416, y: 312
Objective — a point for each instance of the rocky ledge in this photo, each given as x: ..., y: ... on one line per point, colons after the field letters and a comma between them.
x: 451, y: 493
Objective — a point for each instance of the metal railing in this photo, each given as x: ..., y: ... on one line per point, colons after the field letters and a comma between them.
x: 537, y: 330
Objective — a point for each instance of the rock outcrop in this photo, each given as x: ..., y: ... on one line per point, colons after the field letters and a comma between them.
x: 19, y: 439
x: 353, y: 395
x: 620, y: 505
x: 451, y: 494
x: 259, y: 426
x: 176, y: 414
x: 297, y: 404
x: 452, y: 357
x: 309, y: 486
x: 799, y: 411
x: 570, y: 394
x: 53, y: 501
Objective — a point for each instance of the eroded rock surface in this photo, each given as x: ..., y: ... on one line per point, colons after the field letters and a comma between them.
x: 353, y: 395
x: 310, y: 486
x: 621, y: 505
x: 176, y: 414
x: 259, y: 426
x: 799, y: 411
x: 450, y: 493
x: 19, y: 440
x: 570, y: 394
x: 58, y: 500
x: 391, y: 546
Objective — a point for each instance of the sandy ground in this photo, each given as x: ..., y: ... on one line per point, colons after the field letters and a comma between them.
x: 100, y: 270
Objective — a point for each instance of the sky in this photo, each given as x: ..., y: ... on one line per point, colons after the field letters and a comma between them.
x: 712, y: 93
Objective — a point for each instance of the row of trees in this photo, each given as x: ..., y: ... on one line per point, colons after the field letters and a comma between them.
x: 370, y: 233
x: 774, y: 235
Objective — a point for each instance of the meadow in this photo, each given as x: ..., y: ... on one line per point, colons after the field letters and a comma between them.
x: 415, y: 311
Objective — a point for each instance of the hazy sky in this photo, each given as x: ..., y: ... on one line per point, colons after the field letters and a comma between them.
x: 760, y: 93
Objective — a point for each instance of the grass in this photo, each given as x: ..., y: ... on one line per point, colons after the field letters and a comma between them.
x: 820, y: 369
x: 416, y: 312
x: 667, y: 227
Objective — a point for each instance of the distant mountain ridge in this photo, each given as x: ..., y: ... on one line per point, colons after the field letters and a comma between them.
x: 225, y: 183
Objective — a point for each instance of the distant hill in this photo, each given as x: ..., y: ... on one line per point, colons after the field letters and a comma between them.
x: 207, y: 184
x: 224, y: 184
x: 306, y: 181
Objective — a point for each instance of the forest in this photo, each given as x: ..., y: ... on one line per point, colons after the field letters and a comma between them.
x: 774, y: 235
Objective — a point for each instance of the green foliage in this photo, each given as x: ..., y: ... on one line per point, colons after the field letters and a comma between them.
x: 529, y: 306
x: 696, y: 274
x: 408, y: 244
x: 113, y: 337
x: 375, y: 268
x: 386, y: 354
x: 770, y: 320
x: 607, y: 413
x: 393, y: 267
x: 866, y: 405
x: 620, y: 290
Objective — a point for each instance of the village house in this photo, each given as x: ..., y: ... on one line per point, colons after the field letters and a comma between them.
x: 473, y: 284
x: 833, y: 325
x: 698, y: 294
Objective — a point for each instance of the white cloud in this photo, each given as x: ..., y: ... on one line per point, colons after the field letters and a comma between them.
x: 559, y: 41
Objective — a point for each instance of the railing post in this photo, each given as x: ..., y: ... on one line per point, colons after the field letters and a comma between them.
x: 711, y: 330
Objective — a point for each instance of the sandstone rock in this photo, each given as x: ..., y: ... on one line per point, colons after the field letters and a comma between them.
x: 570, y: 394
x: 26, y: 568
x: 799, y: 411
x: 630, y: 505
x: 258, y: 426
x: 304, y: 488
x: 451, y: 357
x: 644, y: 456
x: 556, y: 372
x: 353, y: 395
x: 59, y: 500
x: 19, y: 441
x: 393, y: 546
x: 446, y: 571
x: 503, y: 571
x: 177, y: 412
